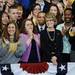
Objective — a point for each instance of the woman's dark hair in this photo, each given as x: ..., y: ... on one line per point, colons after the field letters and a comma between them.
x: 23, y: 30
x: 34, y: 5
x: 6, y: 35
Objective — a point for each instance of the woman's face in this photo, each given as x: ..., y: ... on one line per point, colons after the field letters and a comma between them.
x: 53, y: 10
x: 5, y: 19
x: 29, y: 26
x: 11, y: 29
x: 50, y: 22
x: 36, y: 10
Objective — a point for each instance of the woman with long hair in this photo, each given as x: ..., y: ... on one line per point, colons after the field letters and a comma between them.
x: 55, y: 10
x: 11, y: 48
x: 32, y: 39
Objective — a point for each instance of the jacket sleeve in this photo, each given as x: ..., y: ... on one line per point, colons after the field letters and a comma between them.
x: 3, y: 50
x: 20, y: 50
x: 21, y: 46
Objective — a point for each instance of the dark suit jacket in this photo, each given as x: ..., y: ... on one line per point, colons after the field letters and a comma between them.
x: 49, y: 48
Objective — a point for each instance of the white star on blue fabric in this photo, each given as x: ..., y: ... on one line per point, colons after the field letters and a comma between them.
x: 5, y: 68
x: 62, y: 67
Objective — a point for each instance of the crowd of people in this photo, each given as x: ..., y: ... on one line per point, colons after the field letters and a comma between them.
x: 34, y: 31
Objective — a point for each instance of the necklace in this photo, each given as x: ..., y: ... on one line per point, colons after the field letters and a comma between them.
x: 52, y: 39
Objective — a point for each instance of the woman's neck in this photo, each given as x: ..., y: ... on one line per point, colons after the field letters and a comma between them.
x: 11, y: 38
x: 51, y: 29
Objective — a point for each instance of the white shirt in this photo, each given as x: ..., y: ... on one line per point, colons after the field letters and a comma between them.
x: 43, y: 27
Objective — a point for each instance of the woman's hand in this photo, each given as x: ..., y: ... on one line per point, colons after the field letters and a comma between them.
x: 54, y: 60
x: 30, y: 37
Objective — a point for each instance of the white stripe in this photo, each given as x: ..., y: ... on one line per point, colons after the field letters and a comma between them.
x: 52, y: 70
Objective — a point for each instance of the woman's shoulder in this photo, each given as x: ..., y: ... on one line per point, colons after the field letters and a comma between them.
x: 58, y: 32
x: 23, y: 38
x: 22, y: 35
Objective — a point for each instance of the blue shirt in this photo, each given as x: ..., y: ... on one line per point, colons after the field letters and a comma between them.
x: 66, y: 43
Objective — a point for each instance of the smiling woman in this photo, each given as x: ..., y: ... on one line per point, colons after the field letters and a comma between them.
x: 10, y: 46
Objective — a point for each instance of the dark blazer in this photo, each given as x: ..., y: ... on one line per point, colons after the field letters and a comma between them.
x: 49, y: 48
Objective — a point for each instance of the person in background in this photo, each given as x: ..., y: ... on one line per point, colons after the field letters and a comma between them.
x: 45, y: 5
x: 51, y: 42
x: 61, y: 9
x: 3, y: 22
x: 11, y: 48
x: 13, y: 13
x: 20, y: 17
x: 68, y: 3
x: 27, y: 5
x: 55, y: 1
x: 32, y: 40
x: 2, y: 6
x: 41, y: 25
x: 8, y: 4
x: 55, y: 10
x: 35, y: 10
x: 64, y: 28
x: 72, y: 33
